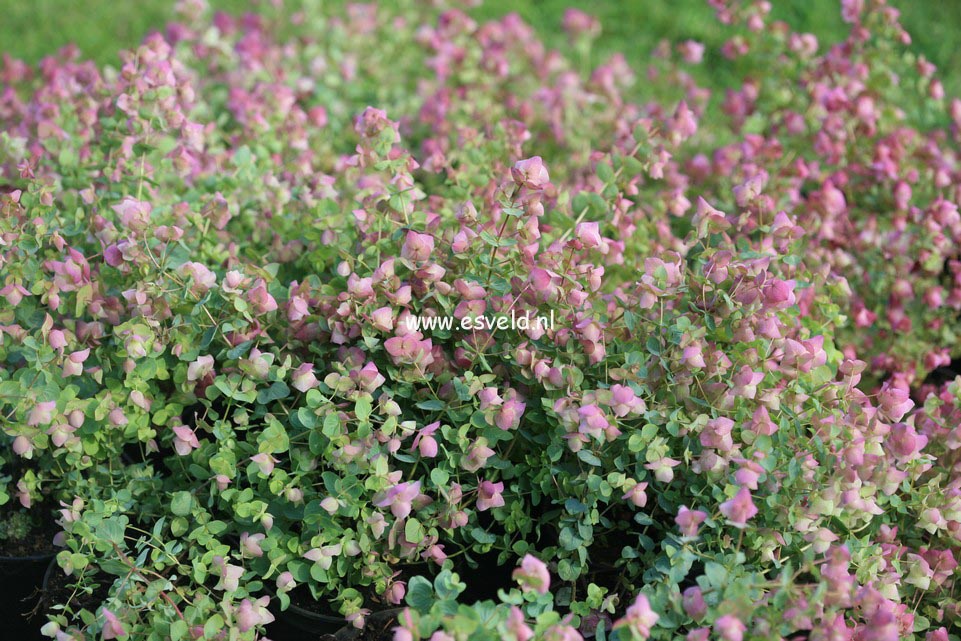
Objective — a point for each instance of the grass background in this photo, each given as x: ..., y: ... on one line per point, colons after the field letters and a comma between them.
x: 31, y: 29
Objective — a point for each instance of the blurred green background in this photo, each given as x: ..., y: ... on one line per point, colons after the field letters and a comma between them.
x: 30, y: 29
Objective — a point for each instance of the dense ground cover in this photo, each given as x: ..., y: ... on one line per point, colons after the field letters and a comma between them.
x: 101, y: 27
x: 743, y: 425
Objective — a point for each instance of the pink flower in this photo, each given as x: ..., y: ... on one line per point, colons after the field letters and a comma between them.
x: 517, y: 626
x: 589, y: 234
x: 368, y: 377
x: 246, y: 616
x: 689, y: 520
x: 577, y: 22
x: 624, y: 401
x: 395, y: 593
x: 134, y: 214
x: 477, y: 455
x: 261, y: 302
x: 400, y: 498
x: 250, y: 544
x: 117, y: 418
x: 740, y: 509
x: 692, y: 356
x: 489, y: 495
x: 251, y: 614
x: 22, y: 446
x: 203, y: 278
x: 417, y: 247
x: 730, y: 628
x: 509, y: 415
x: 895, y: 401
x: 229, y: 575
x: 200, y: 368
x: 324, y: 556
x: 691, y: 51
x: 531, y: 173
x: 265, y: 462
x: 663, y: 468
x: 184, y: 440
x: 425, y: 443
x: 303, y: 379
x: 636, y: 495
x: 14, y: 294
x: 285, y: 582
x: 411, y: 349
x: 73, y: 365
x: 382, y: 319
x: 532, y: 575
x: 42, y: 413
x: 489, y: 398
x: 684, y: 123
x: 593, y: 422
x: 112, y: 627
x: 779, y: 294
x: 693, y: 602
x: 905, y: 442
x: 639, y: 619
x: 57, y: 339
x: 297, y: 309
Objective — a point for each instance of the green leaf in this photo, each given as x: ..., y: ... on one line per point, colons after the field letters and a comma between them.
x: 363, y: 407
x: 715, y: 573
x: 213, y: 627
x: 178, y: 630
x: 589, y: 457
x: 653, y: 346
x: 413, y: 531
x: 482, y: 536
x: 420, y: 593
x: 240, y: 350
x: 274, y: 438
x: 181, y: 503
x: 275, y: 392
x: 439, y: 477
x: 331, y: 427
x: 448, y: 585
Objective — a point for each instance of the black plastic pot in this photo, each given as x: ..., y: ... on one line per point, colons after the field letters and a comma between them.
x: 299, y: 624
x: 21, y: 584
